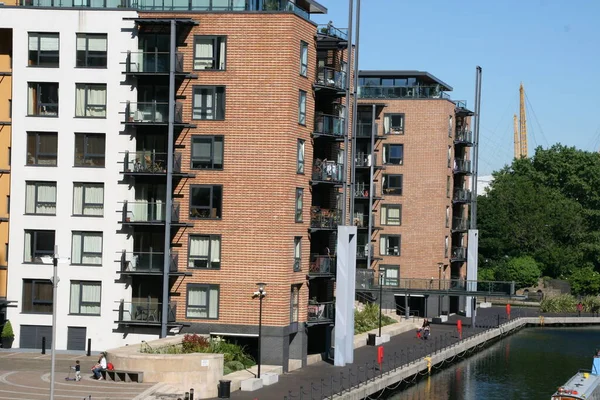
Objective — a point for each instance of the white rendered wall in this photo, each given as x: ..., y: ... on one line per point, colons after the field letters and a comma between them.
x: 68, y: 23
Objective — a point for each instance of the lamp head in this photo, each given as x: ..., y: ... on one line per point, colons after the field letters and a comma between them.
x: 261, y: 286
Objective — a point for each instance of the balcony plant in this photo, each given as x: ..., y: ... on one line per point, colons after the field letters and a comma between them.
x: 7, y: 336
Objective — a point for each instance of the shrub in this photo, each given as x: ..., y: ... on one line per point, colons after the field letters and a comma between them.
x: 235, y: 365
x: 226, y: 370
x: 195, y: 344
x: 368, y: 319
x: 557, y: 304
x: 7, y: 331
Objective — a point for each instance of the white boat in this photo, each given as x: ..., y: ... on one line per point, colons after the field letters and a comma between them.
x: 584, y: 385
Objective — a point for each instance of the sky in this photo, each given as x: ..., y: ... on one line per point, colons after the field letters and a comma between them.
x: 552, y: 46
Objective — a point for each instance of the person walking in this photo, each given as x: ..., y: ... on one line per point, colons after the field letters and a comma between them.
x: 579, y: 309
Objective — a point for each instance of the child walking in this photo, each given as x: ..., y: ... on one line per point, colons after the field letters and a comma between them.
x: 77, y: 369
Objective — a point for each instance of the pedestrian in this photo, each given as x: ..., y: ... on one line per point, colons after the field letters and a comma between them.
x: 100, y: 366
x: 77, y: 368
x: 579, y: 309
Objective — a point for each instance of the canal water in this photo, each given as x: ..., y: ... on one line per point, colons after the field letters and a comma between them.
x: 528, y: 365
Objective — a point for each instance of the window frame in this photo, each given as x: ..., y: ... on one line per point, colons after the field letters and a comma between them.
x: 446, y: 246
x: 392, y: 190
x: 39, y: 35
x: 400, y: 130
x: 303, y: 58
x: 213, y: 139
x: 36, y: 202
x: 210, y: 207
x: 387, y: 244
x: 89, y: 156
x: 301, y: 156
x: 385, y: 208
x: 87, y: 56
x: 383, y: 268
x: 40, y: 104
x: 37, y: 136
x: 208, y: 287
x: 216, y: 42
x: 447, y: 224
x: 83, y: 203
x: 83, y: 254
x: 448, y: 186
x: 213, y: 89
x: 80, y: 303
x: 297, y: 253
x: 209, y: 256
x: 87, y: 105
x: 34, y: 241
x: 387, y: 152
x: 33, y: 300
x: 299, y: 201
x: 295, y: 304
x: 302, y: 100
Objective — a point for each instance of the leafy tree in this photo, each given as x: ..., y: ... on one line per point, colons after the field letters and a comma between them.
x: 585, y: 280
x: 524, y: 271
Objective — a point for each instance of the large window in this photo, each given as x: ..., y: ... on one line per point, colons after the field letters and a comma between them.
x: 206, y: 201
x: 300, y: 166
x: 294, y: 303
x: 204, y: 251
x: 303, y: 58
x: 207, y: 152
x: 90, y: 149
x: 37, y: 296
x: 43, y: 49
x: 88, y: 199
x: 302, y: 107
x: 42, y: 148
x: 209, y: 52
x: 86, y: 248
x: 91, y: 50
x: 42, y: 99
x: 208, y: 102
x: 393, y: 124
x: 393, y: 154
x: 39, y: 246
x: 448, y: 186
x: 90, y: 100
x: 40, y: 198
x: 297, y: 253
x: 202, y: 301
x: 392, y: 184
x: 299, y: 203
x: 85, y: 298
x: 390, y: 274
x: 391, y: 214
x: 389, y: 245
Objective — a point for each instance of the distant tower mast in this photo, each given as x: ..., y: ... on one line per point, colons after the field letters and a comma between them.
x: 523, y: 120
x: 516, y: 137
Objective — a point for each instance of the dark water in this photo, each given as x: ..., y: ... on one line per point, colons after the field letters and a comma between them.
x: 528, y: 365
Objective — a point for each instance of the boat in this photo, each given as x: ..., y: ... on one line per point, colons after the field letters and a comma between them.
x: 584, y: 385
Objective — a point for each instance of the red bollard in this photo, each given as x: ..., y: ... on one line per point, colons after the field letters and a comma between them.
x: 508, y: 311
x: 459, y: 328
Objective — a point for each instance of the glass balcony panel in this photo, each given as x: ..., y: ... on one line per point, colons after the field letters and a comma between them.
x: 147, y: 211
x: 329, y: 125
x: 327, y: 171
x: 321, y: 218
x: 149, y: 312
x: 320, y: 311
x: 402, y: 92
x: 330, y: 77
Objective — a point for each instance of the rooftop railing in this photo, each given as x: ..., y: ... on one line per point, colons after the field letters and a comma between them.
x: 332, y: 31
x: 402, y: 92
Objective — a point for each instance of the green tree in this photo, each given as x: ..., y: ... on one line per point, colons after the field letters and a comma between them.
x: 585, y: 281
x: 524, y: 271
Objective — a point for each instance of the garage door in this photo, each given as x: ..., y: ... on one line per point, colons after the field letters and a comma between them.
x: 31, y: 336
x: 76, y: 338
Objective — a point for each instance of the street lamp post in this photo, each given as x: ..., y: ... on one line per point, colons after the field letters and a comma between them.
x: 380, y: 299
x: 260, y: 293
x: 440, y: 266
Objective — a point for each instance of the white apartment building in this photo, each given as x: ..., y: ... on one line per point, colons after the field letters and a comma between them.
x: 67, y: 149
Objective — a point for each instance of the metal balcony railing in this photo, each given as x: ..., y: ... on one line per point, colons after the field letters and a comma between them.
x: 362, y: 250
x: 363, y: 129
x: 464, y: 136
x: 320, y: 312
x: 402, y: 92
x: 461, y: 195
x: 329, y: 125
x: 361, y: 190
x: 152, y: 62
x: 140, y: 262
x: 458, y: 254
x: 327, y: 171
x: 149, y: 162
x: 148, y: 212
x: 145, y: 312
x: 152, y: 112
x: 324, y: 218
x: 363, y: 160
x: 462, y: 166
x: 330, y: 77
x: 321, y: 265
x: 460, y: 224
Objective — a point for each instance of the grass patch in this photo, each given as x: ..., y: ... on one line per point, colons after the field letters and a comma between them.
x: 368, y: 319
x: 566, y: 303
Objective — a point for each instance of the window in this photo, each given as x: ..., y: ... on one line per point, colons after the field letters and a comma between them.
x: 202, y: 301
x: 391, y: 214
x: 392, y: 184
x: 86, y: 248
x: 303, y: 58
x: 91, y: 50
x: 209, y: 52
x: 449, y: 156
x: 37, y: 296
x: 207, y: 152
x: 42, y: 99
x: 90, y: 100
x: 88, y: 199
x: 299, y: 201
x: 450, y: 126
x: 448, y: 186
x: 390, y: 274
x: 205, y: 201
x: 208, y: 102
x: 447, y: 217
x: 204, y: 251
x: 294, y: 304
x: 300, y: 166
x: 446, y: 247
x: 85, y: 298
x: 90, y: 149
x: 389, y: 245
x: 302, y: 107
x: 297, y: 253
x: 42, y: 148
x: 40, y: 198
x: 43, y: 49
x: 393, y: 124
x: 39, y: 246
x: 393, y: 154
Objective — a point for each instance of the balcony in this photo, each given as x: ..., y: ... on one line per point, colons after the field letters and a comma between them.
x: 331, y: 78
x: 321, y: 265
x: 460, y: 224
x: 461, y: 196
x: 325, y: 171
x: 147, y: 263
x: 362, y: 221
x: 153, y: 113
x: 153, y: 63
x: 363, y: 160
x: 148, y: 213
x: 361, y: 191
x: 462, y: 166
x: 329, y: 125
x: 402, y: 92
x: 363, y: 250
x: 149, y: 162
x: 363, y: 131
x: 324, y: 219
x: 458, y: 254
x: 331, y: 31
x: 464, y: 136
x: 144, y: 313
x: 320, y: 312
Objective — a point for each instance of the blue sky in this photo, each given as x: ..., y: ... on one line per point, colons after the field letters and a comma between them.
x: 552, y: 46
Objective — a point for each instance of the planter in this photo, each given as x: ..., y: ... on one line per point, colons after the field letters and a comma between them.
x: 7, y: 342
